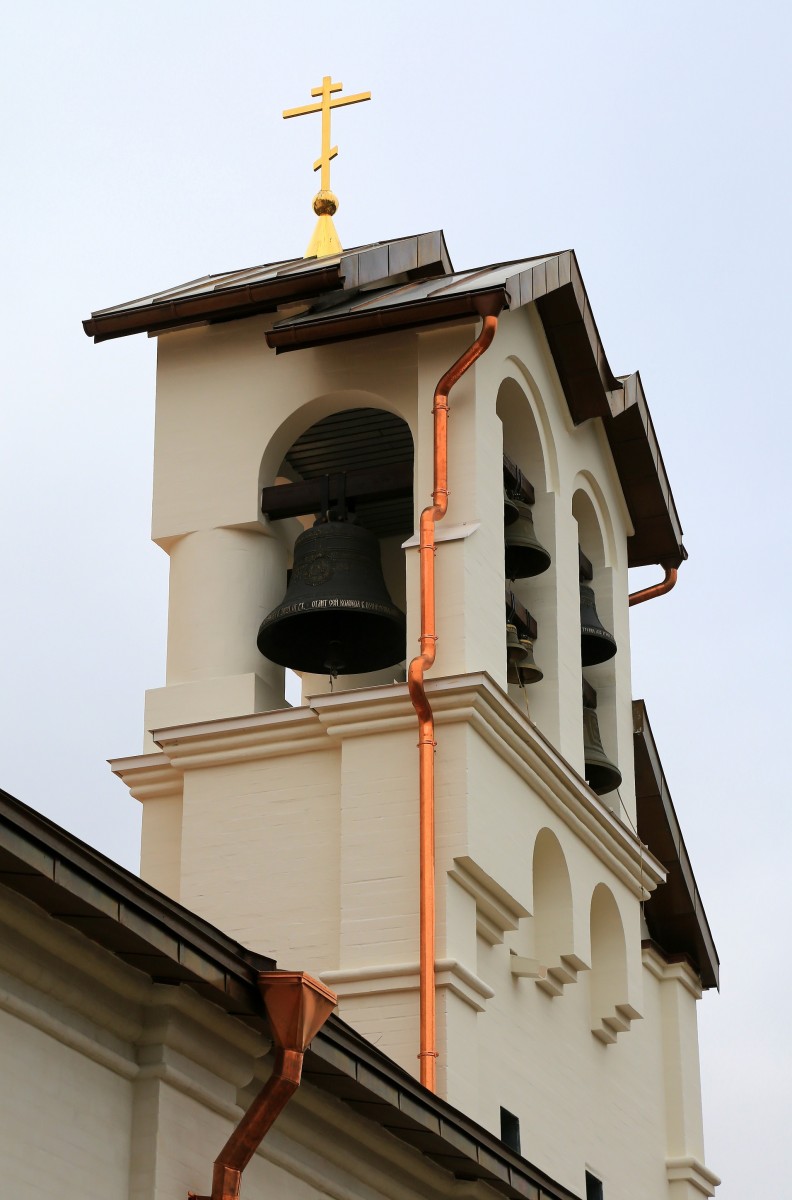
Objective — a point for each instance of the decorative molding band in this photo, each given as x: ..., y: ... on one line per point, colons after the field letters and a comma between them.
x: 404, y: 977
x: 47, y: 1023
x: 562, y: 974
x: 464, y: 699
x: 688, y: 1169
x: 180, y: 1082
x: 676, y: 970
x: 242, y: 739
x: 497, y: 912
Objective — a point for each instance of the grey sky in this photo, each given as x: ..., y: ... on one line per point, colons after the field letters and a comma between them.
x: 143, y: 146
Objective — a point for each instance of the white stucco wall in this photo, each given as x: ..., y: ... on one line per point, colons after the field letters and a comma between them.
x: 296, y: 830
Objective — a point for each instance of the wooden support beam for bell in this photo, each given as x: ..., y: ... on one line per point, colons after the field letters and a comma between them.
x: 517, y: 614
x: 516, y: 483
x: 585, y: 566
x: 393, y: 481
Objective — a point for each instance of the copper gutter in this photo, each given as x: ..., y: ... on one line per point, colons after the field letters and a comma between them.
x: 415, y: 680
x: 297, y: 1008
x: 658, y: 589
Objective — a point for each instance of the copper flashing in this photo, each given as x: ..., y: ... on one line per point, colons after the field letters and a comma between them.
x: 297, y: 1007
x: 674, y: 912
x: 657, y: 589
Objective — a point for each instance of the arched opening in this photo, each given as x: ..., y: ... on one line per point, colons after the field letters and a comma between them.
x: 552, y: 915
x: 362, y: 453
x: 552, y: 893
x: 608, y: 986
x: 598, y: 716
x: 526, y: 443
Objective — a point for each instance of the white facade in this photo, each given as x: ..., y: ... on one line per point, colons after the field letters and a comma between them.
x: 295, y: 830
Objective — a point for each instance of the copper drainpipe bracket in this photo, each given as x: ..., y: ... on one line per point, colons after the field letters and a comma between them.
x: 297, y: 1007
x: 658, y: 589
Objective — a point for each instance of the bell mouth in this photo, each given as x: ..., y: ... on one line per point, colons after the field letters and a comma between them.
x: 334, y: 637
x: 596, y: 646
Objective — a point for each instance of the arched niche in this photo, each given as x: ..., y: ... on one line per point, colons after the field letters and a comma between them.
x: 552, y: 894
x: 527, y: 434
x: 554, y: 944
x: 596, y: 540
x: 611, y: 1012
x: 528, y: 442
x: 346, y: 435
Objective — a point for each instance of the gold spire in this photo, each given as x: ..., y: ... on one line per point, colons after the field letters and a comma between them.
x: 325, y: 239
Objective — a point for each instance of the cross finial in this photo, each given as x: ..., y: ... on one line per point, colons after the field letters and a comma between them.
x: 325, y: 239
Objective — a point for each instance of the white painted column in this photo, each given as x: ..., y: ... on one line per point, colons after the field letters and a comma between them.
x: 680, y: 988
x: 223, y: 582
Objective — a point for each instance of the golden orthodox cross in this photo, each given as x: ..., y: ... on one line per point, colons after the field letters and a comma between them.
x: 324, y: 106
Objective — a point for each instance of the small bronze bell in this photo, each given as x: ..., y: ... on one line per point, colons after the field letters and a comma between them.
x: 336, y: 617
x: 525, y: 554
x: 596, y: 644
x: 601, y: 774
x: 515, y: 654
x: 527, y: 669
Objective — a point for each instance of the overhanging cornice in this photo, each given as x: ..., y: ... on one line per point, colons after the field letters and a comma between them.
x: 472, y: 699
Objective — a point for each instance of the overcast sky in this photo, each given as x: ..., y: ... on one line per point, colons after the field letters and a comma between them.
x: 143, y: 146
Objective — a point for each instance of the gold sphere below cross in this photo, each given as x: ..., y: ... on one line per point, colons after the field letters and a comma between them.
x: 325, y: 203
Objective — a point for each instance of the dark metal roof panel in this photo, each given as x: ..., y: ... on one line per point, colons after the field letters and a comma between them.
x: 674, y: 912
x: 253, y: 290
x: 105, y: 903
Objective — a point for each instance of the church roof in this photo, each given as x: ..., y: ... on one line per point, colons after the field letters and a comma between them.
x: 674, y: 913
x: 82, y: 888
x: 410, y: 283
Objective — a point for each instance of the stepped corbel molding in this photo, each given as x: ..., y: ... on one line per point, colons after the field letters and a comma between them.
x: 688, y: 1169
x: 497, y: 912
x: 404, y: 977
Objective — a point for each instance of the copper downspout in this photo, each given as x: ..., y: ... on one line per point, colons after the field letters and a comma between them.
x: 659, y: 589
x: 297, y: 1007
x: 415, y: 680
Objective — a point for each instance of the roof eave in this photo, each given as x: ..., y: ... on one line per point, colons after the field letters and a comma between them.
x: 431, y: 311
x: 674, y: 913
x: 224, y: 304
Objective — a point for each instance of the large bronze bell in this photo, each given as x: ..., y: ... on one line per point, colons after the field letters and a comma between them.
x: 336, y: 617
x: 596, y: 644
x: 601, y: 774
x: 525, y: 554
